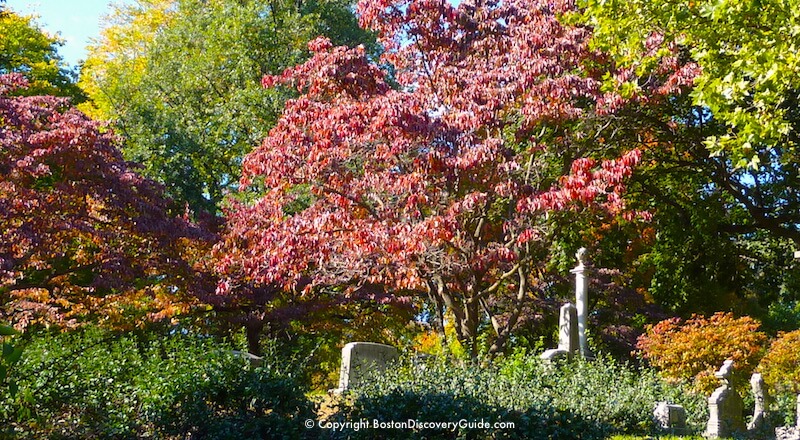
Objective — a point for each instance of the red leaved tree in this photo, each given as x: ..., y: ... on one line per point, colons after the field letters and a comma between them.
x: 82, y: 236
x: 432, y: 172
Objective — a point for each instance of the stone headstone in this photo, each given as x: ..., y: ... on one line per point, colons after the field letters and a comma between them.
x: 568, y: 329
x: 553, y: 355
x: 759, y: 421
x: 724, y: 407
x: 361, y: 359
x: 255, y: 361
x: 670, y: 418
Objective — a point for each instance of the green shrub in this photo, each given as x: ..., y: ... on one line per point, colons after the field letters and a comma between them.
x: 95, y: 384
x: 575, y: 400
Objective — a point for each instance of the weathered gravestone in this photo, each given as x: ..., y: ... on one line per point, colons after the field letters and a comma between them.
x: 361, y: 359
x: 759, y: 421
x: 724, y: 407
x: 670, y: 418
x: 567, y: 334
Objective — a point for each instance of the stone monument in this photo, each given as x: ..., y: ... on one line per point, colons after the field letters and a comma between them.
x: 761, y: 397
x: 670, y: 418
x: 361, y: 359
x: 724, y: 407
x: 581, y: 300
x: 255, y: 361
x: 568, y: 328
x: 567, y: 334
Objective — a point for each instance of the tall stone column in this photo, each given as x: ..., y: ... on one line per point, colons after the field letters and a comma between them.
x: 581, y: 301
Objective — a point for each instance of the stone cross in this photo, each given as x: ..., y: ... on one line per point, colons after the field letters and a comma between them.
x: 360, y: 360
x: 760, y: 396
x: 724, y: 407
x: 581, y: 300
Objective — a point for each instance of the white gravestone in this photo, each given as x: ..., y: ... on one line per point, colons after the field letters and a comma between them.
x: 567, y: 335
x: 568, y: 329
x: 670, y: 418
x: 362, y: 359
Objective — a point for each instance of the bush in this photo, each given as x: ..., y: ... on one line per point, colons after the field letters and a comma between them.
x: 694, y: 350
x: 576, y: 400
x: 781, y: 365
x: 96, y: 384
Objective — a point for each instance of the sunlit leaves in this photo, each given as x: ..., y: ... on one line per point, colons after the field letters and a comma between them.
x: 696, y: 348
x: 434, y: 172
x: 24, y: 48
x: 746, y: 50
x: 180, y: 79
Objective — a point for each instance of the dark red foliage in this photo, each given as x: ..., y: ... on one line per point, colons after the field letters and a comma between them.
x: 82, y: 236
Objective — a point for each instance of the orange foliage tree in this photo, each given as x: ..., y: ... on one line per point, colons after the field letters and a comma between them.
x: 781, y: 365
x: 693, y: 350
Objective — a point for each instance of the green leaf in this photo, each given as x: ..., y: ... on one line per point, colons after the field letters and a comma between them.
x: 15, y: 355
x: 7, y: 330
x: 13, y: 388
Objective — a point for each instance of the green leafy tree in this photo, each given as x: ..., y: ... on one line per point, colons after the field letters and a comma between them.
x: 720, y: 174
x: 747, y: 52
x: 9, y: 356
x: 26, y: 49
x: 181, y: 81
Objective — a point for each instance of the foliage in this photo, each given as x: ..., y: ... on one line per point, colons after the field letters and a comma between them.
x: 28, y: 50
x: 720, y: 177
x: 693, y: 350
x: 180, y: 80
x: 441, y: 188
x: 745, y: 50
x: 780, y: 367
x: 9, y: 356
x: 96, y: 384
x: 82, y: 236
x: 565, y: 401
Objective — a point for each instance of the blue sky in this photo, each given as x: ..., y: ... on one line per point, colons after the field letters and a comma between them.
x: 76, y: 21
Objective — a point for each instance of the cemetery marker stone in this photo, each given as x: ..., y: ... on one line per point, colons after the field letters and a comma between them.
x: 724, y: 407
x: 360, y: 359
